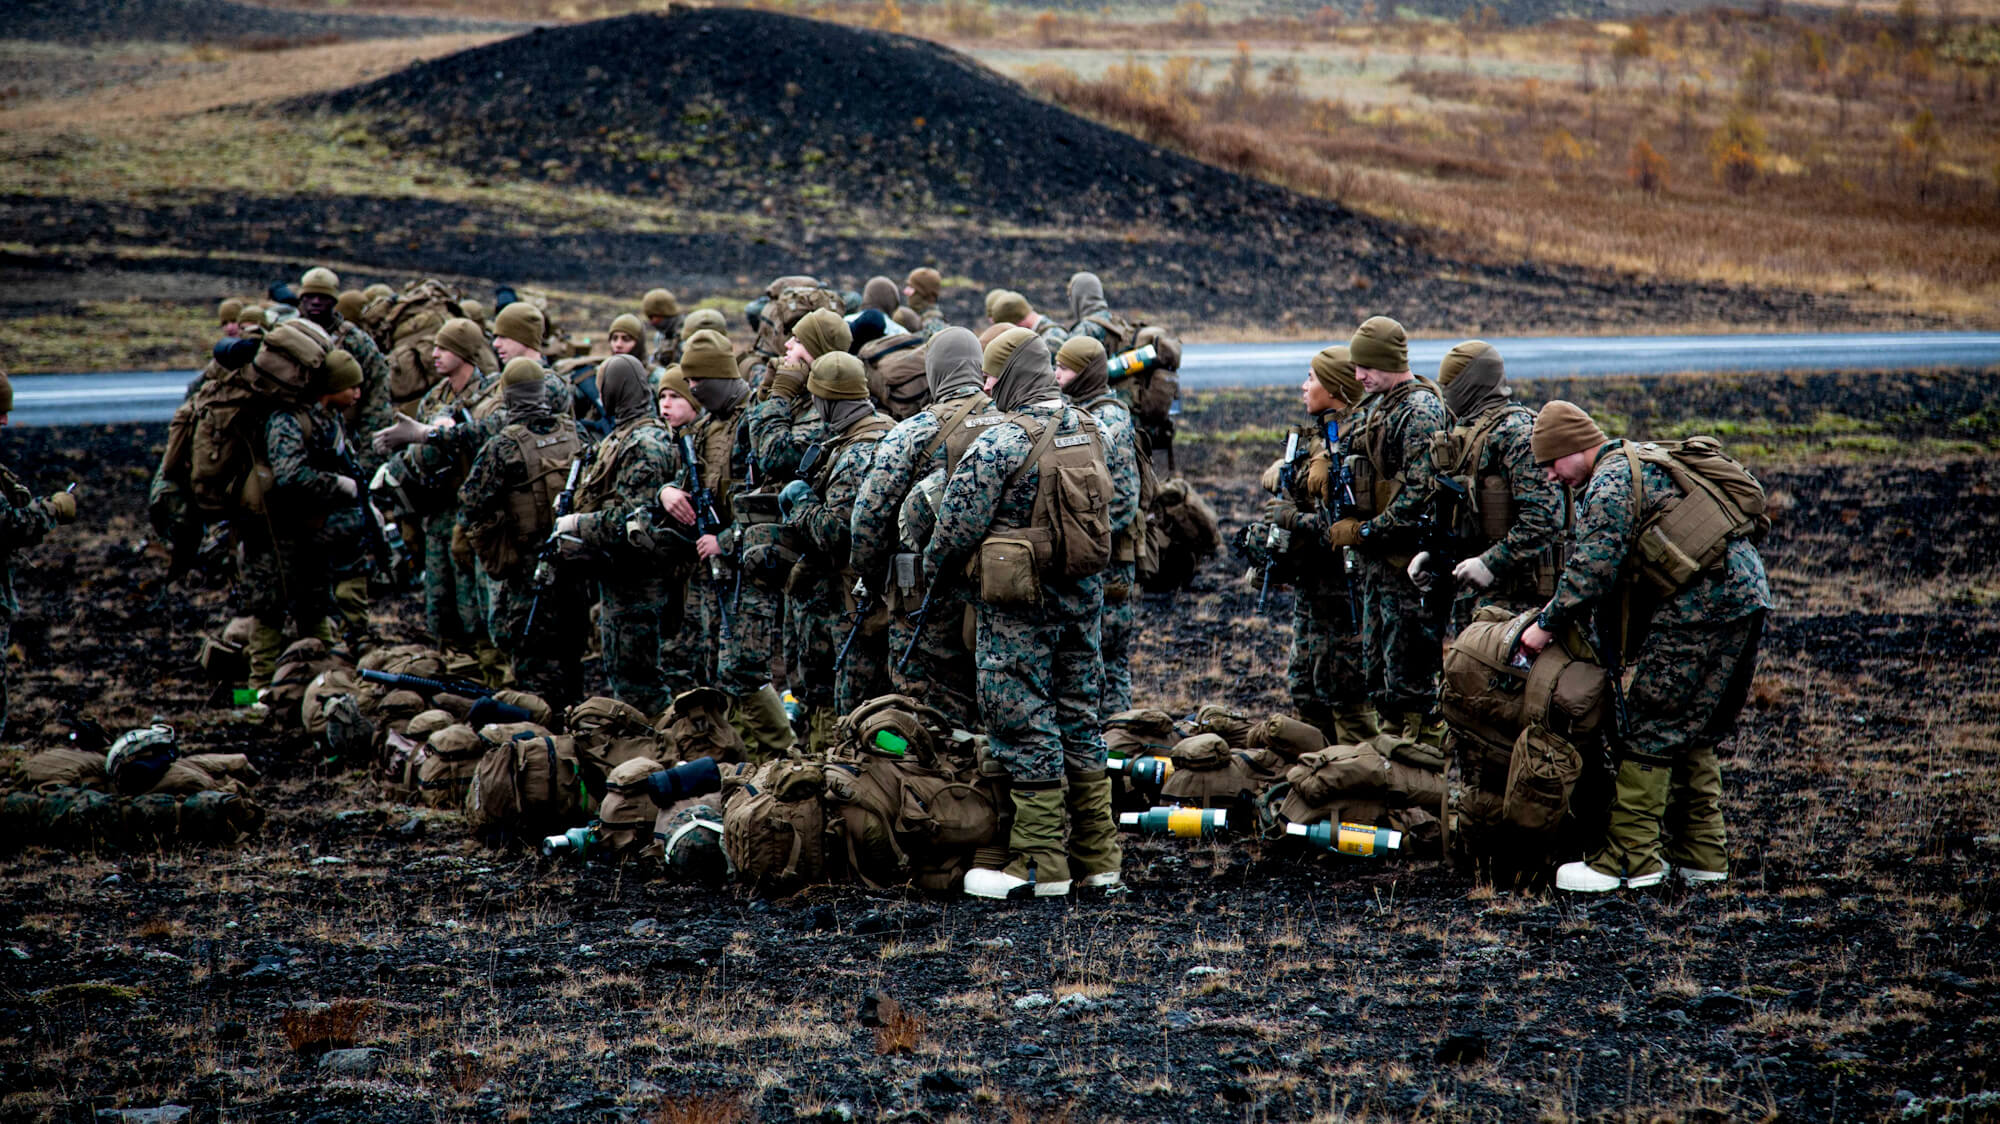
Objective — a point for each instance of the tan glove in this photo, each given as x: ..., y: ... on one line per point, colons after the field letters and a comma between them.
x: 62, y: 505
x: 1347, y: 532
x: 787, y: 381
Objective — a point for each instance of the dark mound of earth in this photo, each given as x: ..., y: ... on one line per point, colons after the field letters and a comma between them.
x: 204, y: 21
x: 733, y: 109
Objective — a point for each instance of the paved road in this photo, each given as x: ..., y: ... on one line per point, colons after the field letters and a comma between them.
x: 150, y: 396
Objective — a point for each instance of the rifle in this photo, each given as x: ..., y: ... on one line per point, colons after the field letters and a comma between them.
x: 464, y: 688
x: 1434, y: 537
x: 1286, y: 472
x: 1344, y: 506
x: 551, y: 552
x: 864, y: 601
x: 706, y: 522
x: 917, y: 620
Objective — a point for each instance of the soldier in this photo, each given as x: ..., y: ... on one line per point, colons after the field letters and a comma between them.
x: 821, y: 507
x: 1692, y: 658
x: 350, y: 304
x: 1040, y: 671
x: 663, y: 312
x: 1324, y: 672
x: 1011, y: 307
x: 920, y: 294
x: 919, y: 448
x: 781, y: 428
x: 1390, y: 447
x: 742, y: 654
x: 1091, y: 316
x: 881, y: 294
x: 1505, y: 547
x: 626, y: 336
x: 24, y: 521
x: 688, y: 657
x: 319, y: 292
x: 280, y: 575
x: 506, y: 512
x: 475, y: 312
x: 348, y: 538
x: 230, y: 312
x: 640, y: 600
x: 467, y: 388
x: 312, y: 508
x: 1081, y: 372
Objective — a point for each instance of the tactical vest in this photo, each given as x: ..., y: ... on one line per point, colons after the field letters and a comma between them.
x: 528, y: 512
x: 1690, y: 534
x: 958, y: 438
x: 951, y: 415
x: 595, y: 485
x: 1460, y: 453
x: 1375, y: 486
x: 717, y: 440
x: 1132, y: 544
x: 868, y: 430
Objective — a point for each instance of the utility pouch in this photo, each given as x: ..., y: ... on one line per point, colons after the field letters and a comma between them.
x: 1008, y: 575
x: 1540, y: 777
x: 755, y: 507
x: 1496, y: 507
x: 904, y: 572
x: 1361, y: 475
x: 1664, y: 564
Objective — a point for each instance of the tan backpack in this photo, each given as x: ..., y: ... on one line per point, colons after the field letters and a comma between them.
x: 1139, y: 733
x: 1068, y: 535
x: 1209, y: 772
x: 215, y: 440
x: 1486, y: 696
x: 525, y: 785
x: 626, y: 812
x: 1719, y: 502
x: 606, y: 733
x: 697, y: 725
x: 1288, y: 737
x: 405, y: 328
x: 1184, y: 531
x: 774, y: 827
x: 441, y: 770
x: 505, y: 541
x: 896, y: 377
x: 905, y: 814
x: 64, y: 768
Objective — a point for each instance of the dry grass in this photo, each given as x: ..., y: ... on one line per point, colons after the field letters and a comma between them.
x: 335, y: 1027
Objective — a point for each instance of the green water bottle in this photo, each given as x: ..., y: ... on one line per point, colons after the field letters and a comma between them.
x: 1187, y: 823
x: 577, y: 841
x: 1349, y: 838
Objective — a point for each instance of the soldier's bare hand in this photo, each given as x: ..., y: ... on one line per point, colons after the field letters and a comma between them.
x: 707, y: 547
x: 1535, y: 638
x: 677, y: 504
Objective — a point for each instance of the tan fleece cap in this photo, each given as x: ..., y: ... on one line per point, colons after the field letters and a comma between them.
x: 520, y: 369
x: 1563, y: 428
x: 925, y: 282
x: 342, y: 371
x: 1010, y: 308
x: 462, y: 338
x: 1380, y: 344
x: 521, y: 322
x: 1334, y: 369
x: 823, y: 332
x: 228, y: 311
x: 1079, y: 352
x: 707, y: 355
x: 659, y: 302
x: 1003, y: 348
x: 1459, y: 358
x: 704, y: 319
x: 319, y: 279
x: 630, y: 325
x: 838, y: 377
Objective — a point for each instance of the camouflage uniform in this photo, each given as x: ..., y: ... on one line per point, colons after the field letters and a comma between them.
x: 1401, y: 639
x: 640, y: 601
x: 829, y: 602
x: 24, y: 522
x: 285, y: 572
x: 1691, y: 666
x: 376, y: 409
x: 1121, y: 448
x: 546, y: 660
x: 1040, y: 668
x: 781, y: 430
x: 713, y: 590
x: 1517, y: 560
x: 345, y: 540
x: 454, y: 598
x: 940, y: 670
x: 1324, y: 667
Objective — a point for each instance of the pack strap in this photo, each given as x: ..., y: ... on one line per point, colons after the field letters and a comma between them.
x: 870, y: 428
x: 948, y: 422
x: 681, y: 831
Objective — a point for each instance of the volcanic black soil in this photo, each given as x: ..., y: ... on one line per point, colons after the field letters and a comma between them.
x: 209, y: 21
x: 1847, y: 971
x: 767, y: 144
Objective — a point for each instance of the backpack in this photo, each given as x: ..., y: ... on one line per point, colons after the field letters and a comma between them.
x: 904, y: 813
x: 64, y: 768
x: 1156, y: 389
x: 506, y: 540
x: 790, y: 299
x: 1487, y: 512
x: 525, y: 785
x: 1139, y: 733
x: 1210, y: 773
x: 1184, y: 531
x: 1286, y: 736
x: 1068, y: 536
x: 405, y: 327
x: 774, y: 827
x: 896, y: 377
x: 1486, y: 696
x: 606, y: 733
x: 215, y: 440
x: 626, y: 814
x: 697, y: 725
x: 441, y: 770
x: 1719, y: 502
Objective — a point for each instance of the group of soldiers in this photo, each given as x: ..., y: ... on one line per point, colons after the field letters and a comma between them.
x: 734, y: 517
x: 1411, y: 503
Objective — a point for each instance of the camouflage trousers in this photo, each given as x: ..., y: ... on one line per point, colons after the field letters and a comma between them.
x: 6, y: 645
x: 940, y: 670
x: 1689, y: 683
x: 283, y: 577
x: 864, y: 673
x: 1040, y: 676
x: 811, y: 623
x: 547, y: 659
x: 756, y: 626
x: 1323, y: 671
x: 350, y: 603
x: 1401, y: 645
x: 1117, y: 637
x: 635, y: 614
x: 454, y: 597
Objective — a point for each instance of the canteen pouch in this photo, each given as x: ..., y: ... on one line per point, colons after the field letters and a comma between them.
x: 1540, y: 777
x: 1007, y: 572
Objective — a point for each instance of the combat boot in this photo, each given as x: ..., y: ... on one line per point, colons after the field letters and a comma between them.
x: 1354, y: 724
x: 1696, y: 835
x: 1095, y: 855
x: 1631, y: 854
x: 765, y: 725
x: 1038, y: 864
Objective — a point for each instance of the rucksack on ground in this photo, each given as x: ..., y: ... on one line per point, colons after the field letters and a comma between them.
x: 606, y: 733
x: 697, y: 725
x: 441, y: 770
x: 774, y: 826
x: 524, y: 786
x: 904, y: 813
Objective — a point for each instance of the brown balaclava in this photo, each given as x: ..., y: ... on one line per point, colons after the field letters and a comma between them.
x: 1024, y: 372
x: 953, y: 361
x: 925, y: 284
x: 1474, y: 379
x: 1086, y: 357
x: 1086, y: 297
x: 1561, y: 429
x: 521, y: 390
x: 823, y: 332
x: 1334, y: 369
x: 625, y: 389
x: 881, y: 293
x: 839, y: 388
